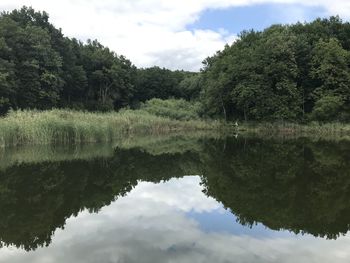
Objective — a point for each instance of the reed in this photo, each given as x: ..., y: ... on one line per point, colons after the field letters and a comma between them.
x: 284, y: 128
x: 67, y: 126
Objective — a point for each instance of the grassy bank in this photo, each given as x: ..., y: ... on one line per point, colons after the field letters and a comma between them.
x: 310, y: 129
x: 65, y: 126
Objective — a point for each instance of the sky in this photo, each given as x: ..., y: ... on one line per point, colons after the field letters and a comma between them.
x: 176, y: 34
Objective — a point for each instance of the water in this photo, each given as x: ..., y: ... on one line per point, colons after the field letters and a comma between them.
x: 177, y: 199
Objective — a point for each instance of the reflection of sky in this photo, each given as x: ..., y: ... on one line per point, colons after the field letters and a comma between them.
x: 225, y: 222
x: 174, y: 222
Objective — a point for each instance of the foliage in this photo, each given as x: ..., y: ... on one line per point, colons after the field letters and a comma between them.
x: 160, y: 83
x: 327, y: 108
x: 172, y: 108
x: 280, y: 73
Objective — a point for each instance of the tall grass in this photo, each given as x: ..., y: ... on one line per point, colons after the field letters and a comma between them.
x: 66, y: 126
x: 310, y: 129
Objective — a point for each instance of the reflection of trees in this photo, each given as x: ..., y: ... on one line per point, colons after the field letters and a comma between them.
x: 298, y: 185
x: 295, y: 185
x: 35, y: 199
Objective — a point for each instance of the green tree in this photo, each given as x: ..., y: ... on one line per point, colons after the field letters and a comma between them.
x: 190, y: 87
x: 36, y: 64
x: 156, y: 82
x: 255, y: 78
x: 7, y: 78
x: 330, y: 68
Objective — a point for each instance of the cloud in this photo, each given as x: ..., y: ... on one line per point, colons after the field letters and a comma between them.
x: 152, y: 32
x: 151, y: 225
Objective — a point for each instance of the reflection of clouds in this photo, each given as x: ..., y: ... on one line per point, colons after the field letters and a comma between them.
x: 150, y: 225
x: 184, y: 194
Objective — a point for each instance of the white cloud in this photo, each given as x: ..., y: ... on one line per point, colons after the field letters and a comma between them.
x: 152, y: 32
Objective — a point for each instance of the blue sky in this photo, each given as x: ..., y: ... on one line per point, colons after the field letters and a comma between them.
x: 258, y: 17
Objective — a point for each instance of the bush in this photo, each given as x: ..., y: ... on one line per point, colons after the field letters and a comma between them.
x: 327, y: 108
x: 177, y: 109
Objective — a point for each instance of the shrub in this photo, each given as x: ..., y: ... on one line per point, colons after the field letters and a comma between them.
x: 327, y: 108
x: 177, y: 109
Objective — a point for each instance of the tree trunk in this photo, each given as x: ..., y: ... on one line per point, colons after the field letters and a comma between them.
x: 245, y: 114
x: 303, y: 104
x: 223, y: 108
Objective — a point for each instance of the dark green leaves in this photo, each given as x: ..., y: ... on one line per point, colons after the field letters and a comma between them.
x: 280, y: 73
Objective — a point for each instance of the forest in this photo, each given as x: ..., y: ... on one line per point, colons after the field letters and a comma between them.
x: 297, y: 73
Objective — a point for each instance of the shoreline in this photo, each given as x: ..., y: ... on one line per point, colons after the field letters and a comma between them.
x: 59, y: 126
x: 312, y: 128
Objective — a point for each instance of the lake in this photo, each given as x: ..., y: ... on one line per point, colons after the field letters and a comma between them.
x: 180, y: 198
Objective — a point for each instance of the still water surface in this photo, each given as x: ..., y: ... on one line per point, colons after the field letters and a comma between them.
x: 177, y: 199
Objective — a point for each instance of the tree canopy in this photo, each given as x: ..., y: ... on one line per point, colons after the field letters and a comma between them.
x: 286, y: 72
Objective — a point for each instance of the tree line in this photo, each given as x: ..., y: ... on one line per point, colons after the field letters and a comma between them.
x: 286, y: 72
x: 41, y: 68
x: 294, y: 72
